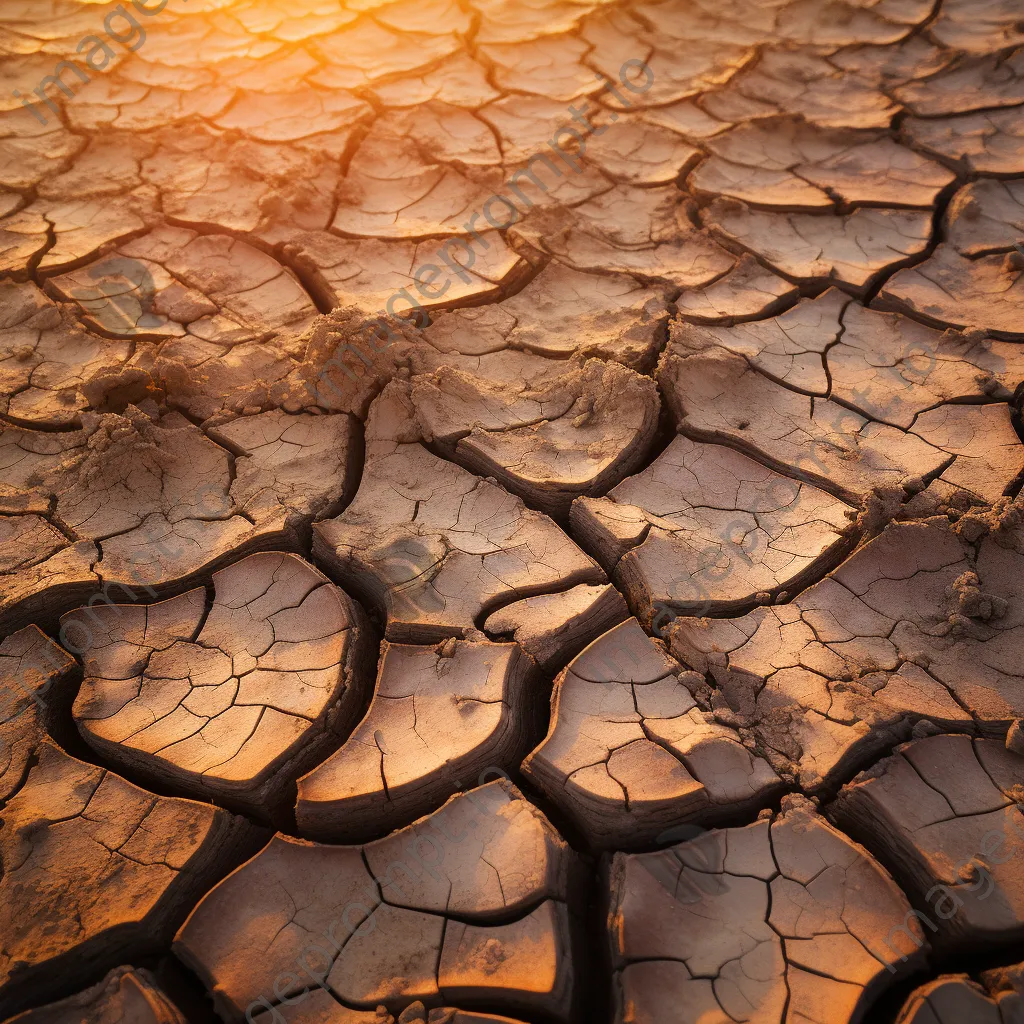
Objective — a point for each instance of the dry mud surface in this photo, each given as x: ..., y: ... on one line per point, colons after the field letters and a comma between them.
x: 510, y: 511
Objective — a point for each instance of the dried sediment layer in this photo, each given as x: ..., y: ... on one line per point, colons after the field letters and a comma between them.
x: 253, y: 220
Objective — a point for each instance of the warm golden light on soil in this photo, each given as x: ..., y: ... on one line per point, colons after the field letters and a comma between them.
x: 510, y: 511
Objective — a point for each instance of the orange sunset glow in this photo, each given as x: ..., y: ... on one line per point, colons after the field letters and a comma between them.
x: 510, y: 511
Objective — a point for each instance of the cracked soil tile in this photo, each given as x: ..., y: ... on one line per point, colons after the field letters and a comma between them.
x: 439, y: 715
x: 792, y: 165
x: 175, y: 282
x: 850, y: 248
x: 36, y: 679
x: 706, y: 529
x: 578, y: 435
x: 108, y: 870
x: 321, y: 1008
x: 434, y: 547
x: 476, y: 918
x: 781, y: 922
x: 998, y: 999
x: 554, y: 628
x: 629, y: 751
x: 47, y: 360
x: 563, y: 312
x: 988, y: 142
x: 234, y: 702
x: 917, y: 624
x: 976, y: 278
x: 943, y: 813
x: 905, y: 404
x: 159, y: 499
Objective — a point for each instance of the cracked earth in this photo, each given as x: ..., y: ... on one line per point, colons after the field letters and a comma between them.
x: 627, y: 627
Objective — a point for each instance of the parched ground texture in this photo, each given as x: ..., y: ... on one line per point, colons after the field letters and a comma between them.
x: 510, y: 511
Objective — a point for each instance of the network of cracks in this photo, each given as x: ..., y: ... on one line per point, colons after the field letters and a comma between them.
x: 628, y: 627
